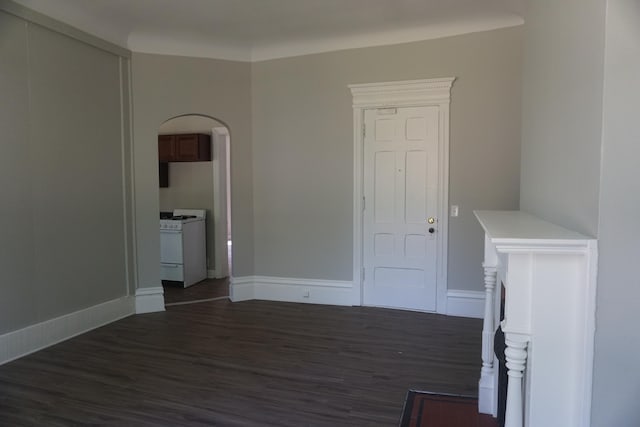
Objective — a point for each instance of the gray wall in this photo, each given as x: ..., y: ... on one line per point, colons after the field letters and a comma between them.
x: 191, y: 183
x: 562, y: 111
x: 64, y: 242
x: 580, y: 167
x: 303, y: 148
x: 170, y: 86
x: 617, y: 377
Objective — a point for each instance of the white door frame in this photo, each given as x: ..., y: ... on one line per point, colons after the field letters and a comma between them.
x: 220, y: 146
x: 409, y: 93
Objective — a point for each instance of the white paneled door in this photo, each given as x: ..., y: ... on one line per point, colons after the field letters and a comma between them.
x: 400, y: 227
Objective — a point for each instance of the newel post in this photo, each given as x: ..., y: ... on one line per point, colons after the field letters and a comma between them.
x: 516, y: 355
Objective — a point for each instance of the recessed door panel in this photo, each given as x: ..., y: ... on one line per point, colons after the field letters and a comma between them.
x: 416, y: 129
x: 384, y: 173
x: 415, y: 194
x: 386, y: 278
x: 384, y: 244
x: 415, y: 245
x: 385, y: 130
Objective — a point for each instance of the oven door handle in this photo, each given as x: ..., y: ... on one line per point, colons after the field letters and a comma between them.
x: 170, y: 231
x: 164, y: 264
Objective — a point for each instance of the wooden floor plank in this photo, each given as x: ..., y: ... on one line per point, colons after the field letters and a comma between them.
x: 250, y: 363
x: 174, y: 292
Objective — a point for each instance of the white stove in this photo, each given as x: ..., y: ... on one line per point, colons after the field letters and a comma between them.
x: 183, y: 253
x: 175, y: 222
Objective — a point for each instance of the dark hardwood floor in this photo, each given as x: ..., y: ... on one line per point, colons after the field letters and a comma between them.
x: 207, y: 289
x: 252, y: 363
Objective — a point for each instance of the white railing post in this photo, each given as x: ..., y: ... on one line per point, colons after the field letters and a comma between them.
x: 516, y: 355
x: 486, y: 400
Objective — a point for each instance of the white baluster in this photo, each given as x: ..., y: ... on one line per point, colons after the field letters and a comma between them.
x: 488, y: 326
x: 516, y: 355
x: 487, y: 394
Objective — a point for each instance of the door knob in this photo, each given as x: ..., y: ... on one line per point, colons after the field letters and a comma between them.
x: 431, y: 220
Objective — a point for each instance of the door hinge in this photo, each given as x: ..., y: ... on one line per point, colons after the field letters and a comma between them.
x: 364, y: 203
x: 363, y: 274
x: 364, y: 130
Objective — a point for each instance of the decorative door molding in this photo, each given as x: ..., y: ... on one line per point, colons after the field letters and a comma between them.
x: 408, y: 93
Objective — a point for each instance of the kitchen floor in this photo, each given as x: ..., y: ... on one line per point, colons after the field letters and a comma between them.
x: 208, y: 289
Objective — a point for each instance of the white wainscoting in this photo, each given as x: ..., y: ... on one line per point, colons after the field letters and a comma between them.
x: 16, y: 344
x: 465, y: 303
x: 330, y: 292
x: 149, y: 300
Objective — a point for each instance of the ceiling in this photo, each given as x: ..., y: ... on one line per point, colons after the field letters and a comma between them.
x: 254, y: 30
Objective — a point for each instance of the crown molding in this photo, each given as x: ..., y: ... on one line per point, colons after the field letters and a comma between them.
x: 146, y: 43
x: 199, y: 47
x: 379, y: 38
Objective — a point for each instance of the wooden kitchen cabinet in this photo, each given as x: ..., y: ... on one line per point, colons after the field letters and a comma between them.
x: 192, y: 147
x: 166, y: 148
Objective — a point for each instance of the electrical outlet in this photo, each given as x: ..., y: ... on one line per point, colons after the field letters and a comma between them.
x: 454, y: 210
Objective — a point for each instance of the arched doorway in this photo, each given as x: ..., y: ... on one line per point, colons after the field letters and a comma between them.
x: 194, y: 178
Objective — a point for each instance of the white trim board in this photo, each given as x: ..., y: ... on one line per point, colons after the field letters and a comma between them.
x: 330, y: 292
x: 425, y: 92
x: 465, y: 303
x: 149, y: 300
x: 241, y: 288
x: 22, y: 342
x: 221, y: 189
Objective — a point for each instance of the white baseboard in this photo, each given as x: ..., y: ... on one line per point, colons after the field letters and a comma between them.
x: 330, y: 292
x: 44, y: 334
x: 149, y: 300
x: 241, y: 288
x: 465, y: 303
x: 211, y: 274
